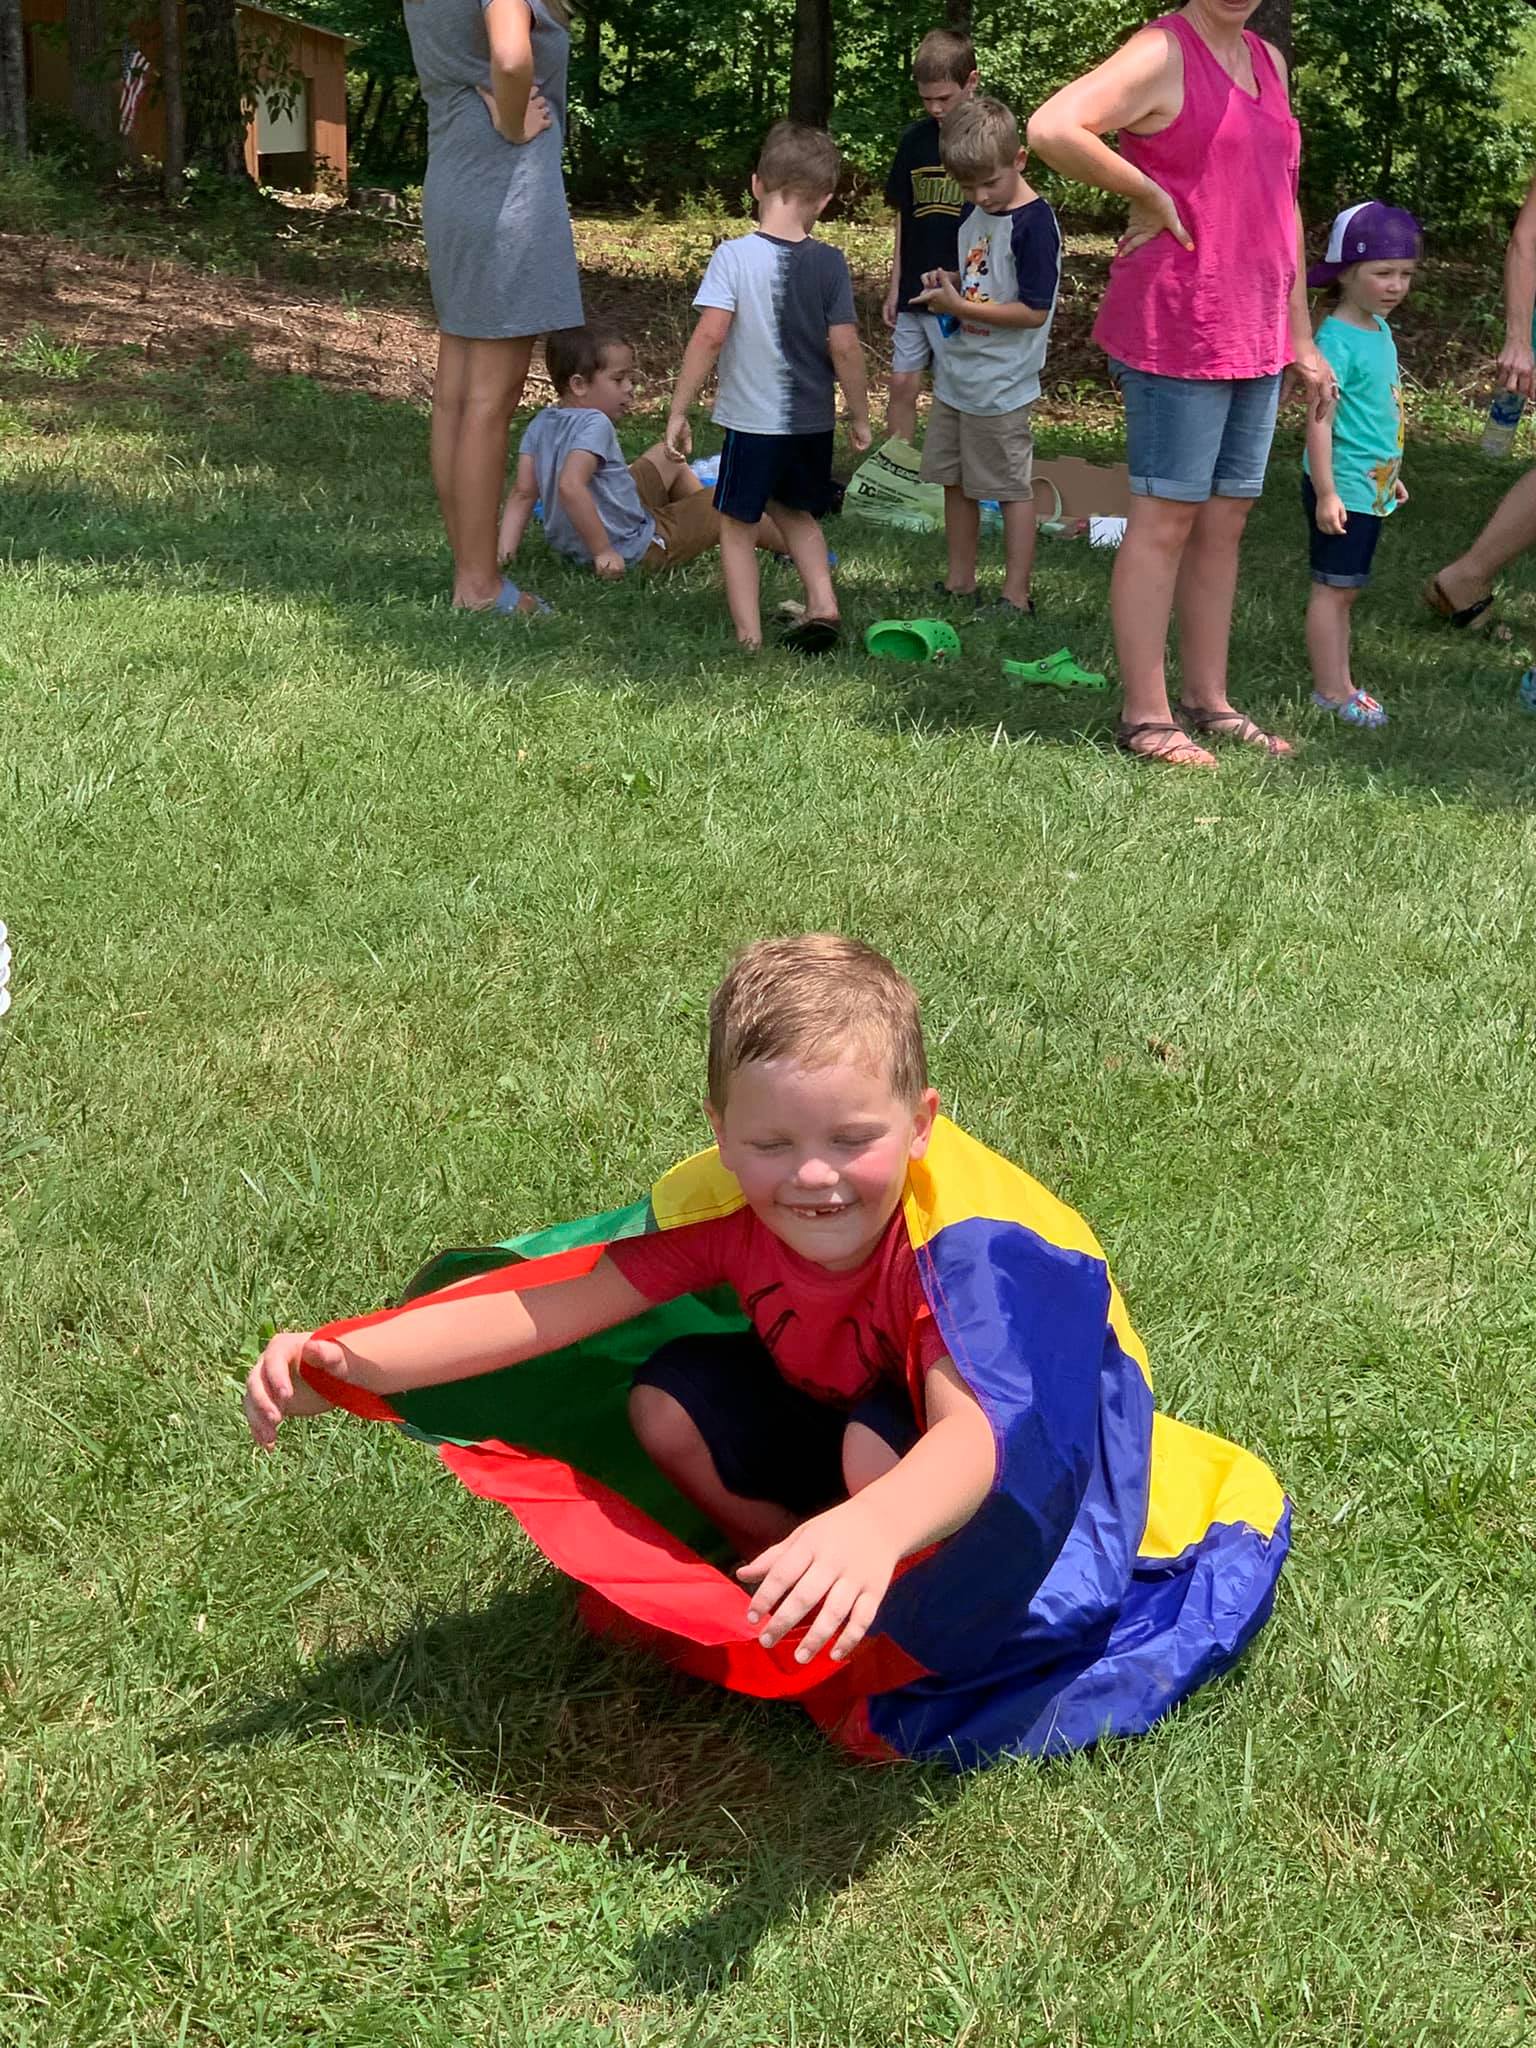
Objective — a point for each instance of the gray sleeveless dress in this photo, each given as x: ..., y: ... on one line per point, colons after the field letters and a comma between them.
x: 497, y: 229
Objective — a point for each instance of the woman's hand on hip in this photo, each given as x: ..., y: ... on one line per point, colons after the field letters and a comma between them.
x: 535, y: 120
x: 1153, y: 213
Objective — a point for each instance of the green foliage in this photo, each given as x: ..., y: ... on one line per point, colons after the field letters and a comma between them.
x: 1403, y: 100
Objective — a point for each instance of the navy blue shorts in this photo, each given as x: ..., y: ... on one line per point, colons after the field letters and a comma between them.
x: 794, y: 470
x: 768, y: 1440
x: 1341, y: 560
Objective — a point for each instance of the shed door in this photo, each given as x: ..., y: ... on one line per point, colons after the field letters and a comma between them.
x: 288, y: 133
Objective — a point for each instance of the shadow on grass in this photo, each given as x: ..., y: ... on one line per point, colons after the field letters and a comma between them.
x: 303, y: 493
x: 521, y: 1706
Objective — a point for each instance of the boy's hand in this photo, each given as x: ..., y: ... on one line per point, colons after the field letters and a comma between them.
x: 860, y: 435
x: 1517, y: 366
x: 841, y: 1562
x: 609, y: 566
x: 891, y: 306
x: 939, y: 295
x: 1331, y: 516
x: 679, y: 437
x: 1400, y: 491
x: 274, y: 1390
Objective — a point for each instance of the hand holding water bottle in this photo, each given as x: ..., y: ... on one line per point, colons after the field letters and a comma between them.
x: 1517, y: 383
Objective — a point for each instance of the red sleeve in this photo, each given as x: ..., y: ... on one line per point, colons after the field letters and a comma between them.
x: 666, y: 1263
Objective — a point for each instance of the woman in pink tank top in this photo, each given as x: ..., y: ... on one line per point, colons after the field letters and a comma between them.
x: 1205, y: 308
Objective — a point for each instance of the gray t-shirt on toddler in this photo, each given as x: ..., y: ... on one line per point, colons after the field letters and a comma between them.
x: 776, y: 373
x: 560, y: 431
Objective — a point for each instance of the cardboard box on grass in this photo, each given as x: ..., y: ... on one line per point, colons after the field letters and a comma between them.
x: 1088, y: 499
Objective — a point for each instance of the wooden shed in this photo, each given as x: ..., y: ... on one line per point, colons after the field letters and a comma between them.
x: 297, y: 144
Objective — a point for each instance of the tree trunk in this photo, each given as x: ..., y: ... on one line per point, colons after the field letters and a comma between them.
x: 812, y: 64
x: 368, y: 152
x: 93, y: 88
x: 13, y: 80
x: 216, y: 118
x: 172, y: 102
x: 957, y: 15
x: 1272, y: 20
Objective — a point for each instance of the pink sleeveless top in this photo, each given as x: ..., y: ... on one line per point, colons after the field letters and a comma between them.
x: 1229, y: 163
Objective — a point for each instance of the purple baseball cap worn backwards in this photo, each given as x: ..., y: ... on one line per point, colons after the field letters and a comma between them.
x: 1370, y: 233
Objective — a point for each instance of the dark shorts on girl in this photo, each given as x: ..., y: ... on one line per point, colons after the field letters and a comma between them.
x: 793, y: 470
x: 1341, y: 560
x: 1193, y: 438
x: 769, y: 1441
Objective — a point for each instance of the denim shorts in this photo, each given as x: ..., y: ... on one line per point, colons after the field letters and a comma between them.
x: 1193, y: 438
x: 768, y: 1440
x: 1341, y: 560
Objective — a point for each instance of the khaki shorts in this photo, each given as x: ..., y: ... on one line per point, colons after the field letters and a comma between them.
x: 989, y: 455
x: 685, y: 527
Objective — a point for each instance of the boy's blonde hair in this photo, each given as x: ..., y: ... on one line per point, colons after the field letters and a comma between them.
x: 978, y: 138
x: 820, y: 999
x: 798, y: 159
x: 944, y: 57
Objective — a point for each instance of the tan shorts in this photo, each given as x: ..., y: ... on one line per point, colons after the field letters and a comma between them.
x: 989, y: 455
x: 685, y: 527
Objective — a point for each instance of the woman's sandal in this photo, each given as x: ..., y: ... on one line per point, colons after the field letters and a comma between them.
x: 1471, y: 618
x: 812, y: 637
x: 1240, y: 729
x: 1175, y: 750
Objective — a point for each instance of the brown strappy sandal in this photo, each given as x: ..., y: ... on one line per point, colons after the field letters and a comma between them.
x: 1472, y: 619
x: 1175, y: 751
x: 1240, y: 730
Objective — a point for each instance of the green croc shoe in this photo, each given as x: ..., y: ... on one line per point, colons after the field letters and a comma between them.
x: 912, y: 640
x: 1060, y: 670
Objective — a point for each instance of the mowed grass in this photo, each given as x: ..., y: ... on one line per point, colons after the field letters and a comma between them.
x: 345, y: 928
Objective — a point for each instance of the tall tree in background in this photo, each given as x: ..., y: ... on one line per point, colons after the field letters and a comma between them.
x: 215, y: 116
x: 957, y: 15
x: 93, y: 76
x: 812, y: 64
x: 1273, y: 22
x: 13, y: 80
x: 171, y: 98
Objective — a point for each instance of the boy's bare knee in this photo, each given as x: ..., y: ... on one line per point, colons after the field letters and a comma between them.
x: 667, y: 1433
x: 866, y: 1457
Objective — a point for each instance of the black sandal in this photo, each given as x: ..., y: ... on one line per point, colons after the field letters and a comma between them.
x: 812, y: 636
x: 1126, y: 735
x: 1472, y: 618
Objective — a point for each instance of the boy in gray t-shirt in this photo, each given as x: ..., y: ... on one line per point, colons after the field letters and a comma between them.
x: 1000, y: 302
x: 650, y: 514
x: 776, y: 310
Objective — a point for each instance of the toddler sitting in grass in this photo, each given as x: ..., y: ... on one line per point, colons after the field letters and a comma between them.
x: 650, y: 514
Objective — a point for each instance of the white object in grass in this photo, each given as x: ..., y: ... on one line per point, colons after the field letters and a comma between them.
x: 1105, y: 533
x: 5, y: 972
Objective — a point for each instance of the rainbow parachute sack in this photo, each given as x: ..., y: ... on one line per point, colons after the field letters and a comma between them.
x: 1121, y: 1560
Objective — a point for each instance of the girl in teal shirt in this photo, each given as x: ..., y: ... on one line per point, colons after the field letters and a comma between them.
x: 1351, y: 483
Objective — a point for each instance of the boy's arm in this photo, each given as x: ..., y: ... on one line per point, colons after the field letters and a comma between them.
x: 518, y: 509
x: 576, y: 474
x: 892, y: 304
x: 847, y: 355
x: 1517, y: 365
x: 437, y: 1341
x: 699, y: 359
x: 843, y: 1560
x: 945, y: 298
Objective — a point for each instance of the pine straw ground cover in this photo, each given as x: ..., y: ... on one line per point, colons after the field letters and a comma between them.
x: 345, y: 928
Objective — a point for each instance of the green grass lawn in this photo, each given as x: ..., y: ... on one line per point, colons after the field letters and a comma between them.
x: 345, y: 928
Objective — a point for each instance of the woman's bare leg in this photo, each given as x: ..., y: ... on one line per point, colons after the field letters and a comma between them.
x: 475, y: 393
x: 1141, y: 590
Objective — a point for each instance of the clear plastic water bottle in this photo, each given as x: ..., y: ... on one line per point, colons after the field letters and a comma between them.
x: 1503, y: 422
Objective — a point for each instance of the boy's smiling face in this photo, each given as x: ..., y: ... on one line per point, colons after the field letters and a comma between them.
x: 821, y: 1153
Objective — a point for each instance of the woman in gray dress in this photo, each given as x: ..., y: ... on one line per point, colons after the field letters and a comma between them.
x: 499, y: 249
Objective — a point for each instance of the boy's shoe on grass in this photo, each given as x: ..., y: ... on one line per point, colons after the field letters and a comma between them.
x: 812, y: 637
x: 1358, y: 708
x: 1060, y: 670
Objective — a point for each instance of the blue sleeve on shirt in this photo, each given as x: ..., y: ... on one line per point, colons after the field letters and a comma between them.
x: 1036, y: 241
x: 838, y: 291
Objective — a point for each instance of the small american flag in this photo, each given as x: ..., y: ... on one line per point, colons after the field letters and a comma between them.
x: 135, y: 78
